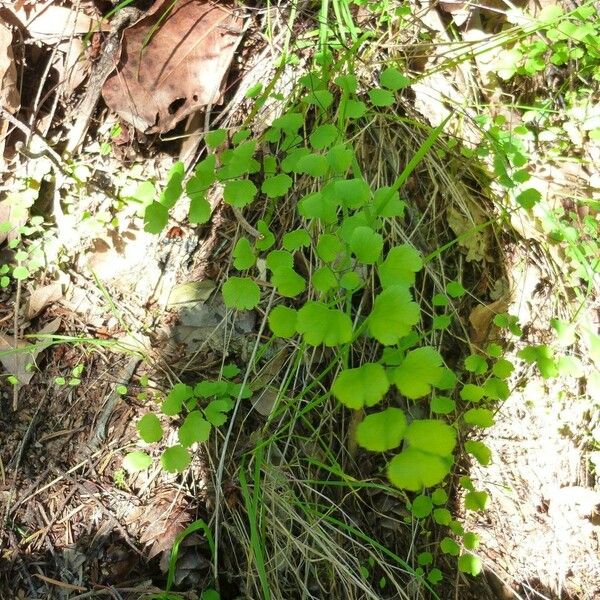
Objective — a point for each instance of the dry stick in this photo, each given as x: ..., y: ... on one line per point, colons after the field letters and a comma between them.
x: 104, y: 67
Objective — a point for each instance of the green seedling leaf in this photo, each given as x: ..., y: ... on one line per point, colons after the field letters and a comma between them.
x: 172, y: 191
x: 20, y: 273
x: 320, y: 324
x: 565, y: 332
x: 481, y: 417
x: 241, y: 293
x: 441, y: 322
x: 381, y: 97
x: 470, y: 564
x: 319, y: 98
x: 243, y: 254
x: 267, y: 238
x: 144, y: 193
x: 323, y: 280
x: 442, y: 516
x: 421, y: 507
x: 400, y: 266
x: 350, y: 281
x: 503, y: 368
x: 282, y: 321
x: 317, y: 206
x: 455, y: 290
x: 424, y: 558
x: 287, y: 282
x: 149, y: 428
x: 472, y: 393
x: 230, y: 370
x: 329, y: 246
x: 294, y: 240
x: 381, y: 431
x: 449, y: 546
x: 480, y: 451
x: 393, y: 315
x: 529, y: 198
x: 440, y: 300
x: 510, y: 322
x: 348, y: 83
x: 418, y: 372
x: 290, y: 122
x: 175, y: 459
x: 323, y: 136
x: 363, y: 386
x: 543, y: 357
x: 393, y: 80
x: 173, y: 403
x: 413, y: 469
x: 387, y: 203
x: 216, y: 412
x: 239, y: 192
x: 353, y: 109
x: 279, y: 259
x: 471, y: 540
x: 476, y: 364
x: 351, y: 193
x: 269, y: 165
x: 215, y: 138
x: 314, y: 165
x: 340, y: 158
x: 494, y: 350
x: 277, y: 186
x: 136, y: 461
x: 366, y: 245
x: 156, y: 217
x: 477, y: 501
x: 207, y: 389
x: 240, y: 136
x: 200, y: 210
x: 496, y: 389
x: 432, y: 436
x: 439, y: 497
x: 195, y: 428
x: 434, y: 576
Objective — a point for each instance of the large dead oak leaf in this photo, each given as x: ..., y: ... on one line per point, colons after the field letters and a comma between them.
x: 173, y: 62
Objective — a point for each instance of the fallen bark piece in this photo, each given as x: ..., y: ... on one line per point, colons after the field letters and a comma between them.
x: 173, y: 62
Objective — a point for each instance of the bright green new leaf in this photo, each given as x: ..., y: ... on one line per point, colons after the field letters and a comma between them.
x: 20, y: 273
x: 393, y: 315
x: 216, y: 411
x: 496, y: 389
x: 449, y: 546
x: 366, y: 245
x: 195, y: 428
x: 480, y: 451
x: 319, y: 98
x: 315, y: 165
x: 470, y: 564
x: 296, y: 239
x: 149, y: 428
x: 351, y: 193
x: 477, y: 501
x: 503, y: 368
x: 328, y: 247
x: 432, y: 436
x: 400, y: 266
x: 173, y: 403
x: 239, y: 192
x: 471, y: 393
x: 393, y: 80
x: 290, y: 122
x: 340, y: 158
x: 455, y: 290
x: 323, y: 136
x: 290, y: 162
x: 267, y: 238
x: 144, y: 193
x: 418, y: 372
x: 320, y: 324
x: 441, y: 322
x: 380, y: 97
x: 175, y: 459
x: 381, y: 431
x: 387, y: 203
x: 353, y: 109
x: 287, y: 282
x: 173, y: 189
x: 277, y: 186
x: 476, y: 364
x: 243, y: 254
x: 471, y: 540
x: 282, y: 321
x: 348, y: 83
x: 421, y: 507
x: 481, y: 417
x: 529, y: 198
x: 323, y: 280
x: 440, y: 300
x: 317, y: 206
x: 424, y: 558
x: 215, y: 138
x: 279, y: 259
x: 413, y: 470
x: 350, y: 281
x: 199, y: 211
x: 156, y: 217
x: 435, y: 576
x: 136, y: 461
x: 442, y: 516
x: 439, y: 497
x: 241, y: 292
x: 363, y: 386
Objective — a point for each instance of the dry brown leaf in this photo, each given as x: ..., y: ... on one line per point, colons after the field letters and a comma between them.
x: 464, y: 220
x: 15, y: 358
x: 172, y: 66
x: 42, y: 297
x: 47, y: 22
x: 481, y: 320
x: 9, y: 94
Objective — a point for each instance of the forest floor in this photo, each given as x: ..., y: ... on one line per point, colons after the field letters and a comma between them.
x: 101, y: 318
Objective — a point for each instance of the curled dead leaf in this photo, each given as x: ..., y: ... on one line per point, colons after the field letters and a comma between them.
x: 42, y: 297
x: 481, y: 318
x: 173, y: 62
